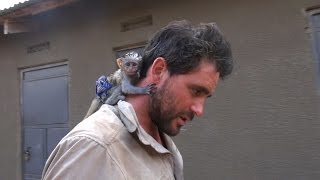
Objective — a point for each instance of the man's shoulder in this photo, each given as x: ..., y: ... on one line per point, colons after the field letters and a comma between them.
x: 103, y: 126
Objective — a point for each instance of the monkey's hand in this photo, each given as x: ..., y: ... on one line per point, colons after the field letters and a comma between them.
x: 151, y: 88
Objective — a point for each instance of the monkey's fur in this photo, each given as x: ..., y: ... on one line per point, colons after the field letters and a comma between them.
x: 123, y: 82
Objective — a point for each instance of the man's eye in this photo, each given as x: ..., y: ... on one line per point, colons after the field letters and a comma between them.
x: 196, y: 92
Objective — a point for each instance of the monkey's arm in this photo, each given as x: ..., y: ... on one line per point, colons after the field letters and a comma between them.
x: 115, y: 95
x: 128, y: 88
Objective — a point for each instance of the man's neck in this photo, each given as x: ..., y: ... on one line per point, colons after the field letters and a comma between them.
x: 140, y: 104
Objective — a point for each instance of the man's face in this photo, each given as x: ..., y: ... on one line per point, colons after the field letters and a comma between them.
x: 181, y: 97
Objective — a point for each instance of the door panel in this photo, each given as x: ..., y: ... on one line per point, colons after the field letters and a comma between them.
x: 43, y: 101
x: 54, y: 136
x: 34, y: 151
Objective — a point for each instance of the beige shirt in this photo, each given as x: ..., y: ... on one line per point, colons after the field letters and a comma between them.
x: 110, y: 144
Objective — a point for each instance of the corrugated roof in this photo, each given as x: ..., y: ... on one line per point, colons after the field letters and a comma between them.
x: 31, y: 7
x: 5, y: 4
x: 22, y: 4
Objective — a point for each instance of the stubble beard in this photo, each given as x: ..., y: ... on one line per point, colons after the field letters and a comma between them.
x: 162, y: 111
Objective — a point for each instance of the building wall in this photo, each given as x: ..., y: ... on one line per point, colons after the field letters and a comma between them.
x: 263, y: 121
x: 10, y: 119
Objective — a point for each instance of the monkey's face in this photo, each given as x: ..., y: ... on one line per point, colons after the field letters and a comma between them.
x: 131, y: 68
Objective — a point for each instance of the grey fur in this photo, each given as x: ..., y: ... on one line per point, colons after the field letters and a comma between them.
x: 123, y: 83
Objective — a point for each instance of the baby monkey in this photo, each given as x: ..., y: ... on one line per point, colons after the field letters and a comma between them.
x: 111, y: 89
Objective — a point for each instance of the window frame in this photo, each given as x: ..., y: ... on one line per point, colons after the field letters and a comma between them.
x: 313, y: 29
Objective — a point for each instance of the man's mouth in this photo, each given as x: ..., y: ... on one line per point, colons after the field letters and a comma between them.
x: 183, y: 120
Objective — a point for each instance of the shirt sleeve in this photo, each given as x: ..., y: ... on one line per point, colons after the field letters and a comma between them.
x: 81, y: 158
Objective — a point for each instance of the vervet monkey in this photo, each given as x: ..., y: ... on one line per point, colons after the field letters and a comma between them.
x: 114, y: 87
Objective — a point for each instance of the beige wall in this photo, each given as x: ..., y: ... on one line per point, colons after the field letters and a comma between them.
x: 262, y: 123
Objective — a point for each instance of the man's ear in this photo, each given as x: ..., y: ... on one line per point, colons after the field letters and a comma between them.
x: 158, y: 69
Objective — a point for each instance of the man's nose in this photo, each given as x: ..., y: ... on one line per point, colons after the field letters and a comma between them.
x: 198, y: 108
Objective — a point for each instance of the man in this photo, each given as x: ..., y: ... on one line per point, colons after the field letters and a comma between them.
x: 131, y: 140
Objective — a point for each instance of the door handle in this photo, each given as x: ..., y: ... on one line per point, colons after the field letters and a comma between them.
x: 27, y: 154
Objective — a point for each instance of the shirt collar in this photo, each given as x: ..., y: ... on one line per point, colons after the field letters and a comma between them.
x: 130, y: 120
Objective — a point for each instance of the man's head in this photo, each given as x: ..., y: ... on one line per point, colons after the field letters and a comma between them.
x: 185, y: 63
x: 183, y: 46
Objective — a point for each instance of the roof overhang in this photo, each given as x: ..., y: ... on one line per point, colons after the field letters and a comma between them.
x: 16, y: 18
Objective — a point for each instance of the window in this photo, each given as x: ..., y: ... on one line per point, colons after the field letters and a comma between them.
x: 139, y: 50
x: 314, y: 23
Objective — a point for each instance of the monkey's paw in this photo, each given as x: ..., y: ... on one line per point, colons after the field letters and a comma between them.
x: 151, y: 88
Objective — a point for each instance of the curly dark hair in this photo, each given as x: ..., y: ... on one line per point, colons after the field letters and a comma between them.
x: 184, y: 46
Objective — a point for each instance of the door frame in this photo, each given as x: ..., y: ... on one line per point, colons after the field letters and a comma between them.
x: 22, y: 71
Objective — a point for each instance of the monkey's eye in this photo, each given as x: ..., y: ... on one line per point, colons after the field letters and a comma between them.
x: 127, y: 64
x: 131, y: 64
x: 134, y: 64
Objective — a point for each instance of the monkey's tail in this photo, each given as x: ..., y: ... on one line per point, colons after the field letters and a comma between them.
x: 96, y: 103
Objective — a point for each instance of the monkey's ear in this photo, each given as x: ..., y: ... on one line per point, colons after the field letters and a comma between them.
x: 119, y: 62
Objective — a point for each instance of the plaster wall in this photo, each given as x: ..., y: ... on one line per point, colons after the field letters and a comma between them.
x: 263, y: 121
